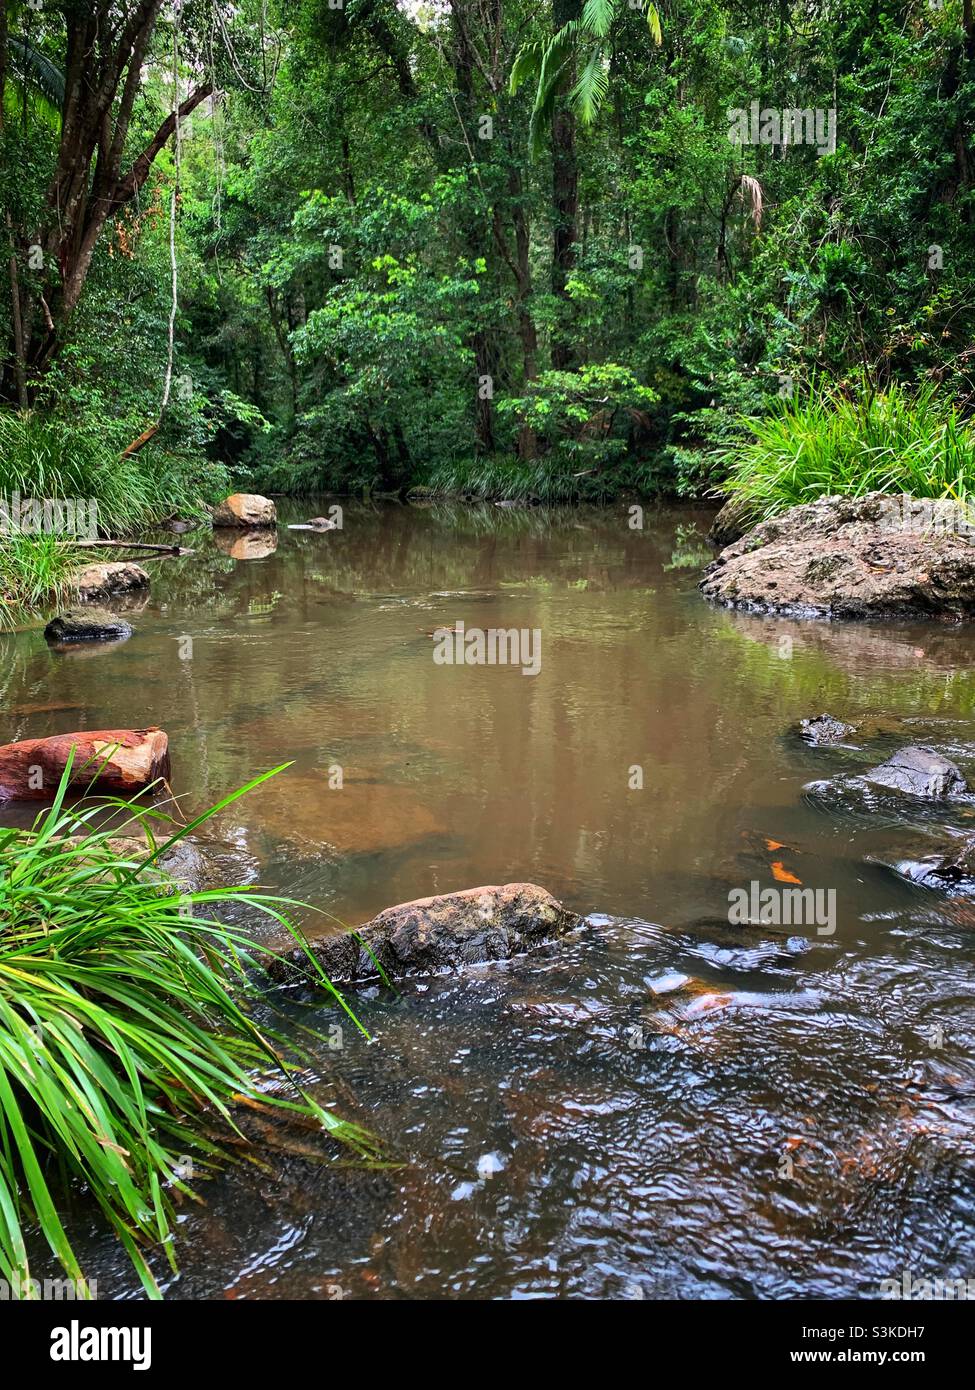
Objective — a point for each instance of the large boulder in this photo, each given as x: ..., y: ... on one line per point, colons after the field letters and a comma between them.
x: 846, y: 557
x: 433, y: 935
x: 119, y: 761
x: 87, y: 624
x: 95, y: 583
x: 245, y: 509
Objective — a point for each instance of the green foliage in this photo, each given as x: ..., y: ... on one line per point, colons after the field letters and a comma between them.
x: 583, y: 416
x: 127, y: 1036
x: 54, y: 458
x: 832, y: 441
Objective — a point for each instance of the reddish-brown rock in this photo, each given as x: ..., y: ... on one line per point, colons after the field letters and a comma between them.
x: 245, y: 509
x: 117, y: 761
x: 95, y: 583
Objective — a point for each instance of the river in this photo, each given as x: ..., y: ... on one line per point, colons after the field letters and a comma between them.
x: 795, y: 1121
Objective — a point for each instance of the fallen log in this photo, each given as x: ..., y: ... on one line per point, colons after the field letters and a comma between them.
x: 114, y: 761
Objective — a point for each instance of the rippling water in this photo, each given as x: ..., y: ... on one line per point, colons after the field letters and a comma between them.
x: 666, y: 1105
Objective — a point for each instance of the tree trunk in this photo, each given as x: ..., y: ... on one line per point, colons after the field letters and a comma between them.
x: 565, y: 202
x: 103, y: 79
x: 20, y: 374
x: 475, y: 229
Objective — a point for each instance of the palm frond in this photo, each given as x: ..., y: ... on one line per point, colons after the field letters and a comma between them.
x: 528, y: 63
x: 653, y: 21
x: 590, y: 91
x: 553, y: 75
x: 37, y: 70
x: 597, y: 16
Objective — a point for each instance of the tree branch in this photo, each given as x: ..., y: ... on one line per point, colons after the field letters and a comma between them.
x: 127, y: 187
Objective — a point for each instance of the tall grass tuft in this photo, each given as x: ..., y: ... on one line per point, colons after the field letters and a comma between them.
x: 34, y: 570
x: 127, y: 1037
x: 48, y: 457
x: 894, y: 441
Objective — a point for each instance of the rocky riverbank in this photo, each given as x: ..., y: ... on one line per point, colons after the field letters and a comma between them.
x: 843, y: 557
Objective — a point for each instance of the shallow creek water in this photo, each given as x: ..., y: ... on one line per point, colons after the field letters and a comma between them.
x: 797, y: 1123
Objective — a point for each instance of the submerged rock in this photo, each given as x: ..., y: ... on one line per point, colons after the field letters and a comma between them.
x: 951, y: 872
x: 109, y: 760
x: 87, y: 625
x: 185, y: 862
x: 316, y: 523
x: 851, y: 557
x: 823, y: 729
x: 433, y: 935
x: 95, y: 583
x: 243, y: 509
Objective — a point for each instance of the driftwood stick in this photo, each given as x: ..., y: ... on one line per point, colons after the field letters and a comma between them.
x: 132, y: 545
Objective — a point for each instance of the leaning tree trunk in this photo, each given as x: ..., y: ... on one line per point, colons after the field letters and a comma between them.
x: 103, y: 78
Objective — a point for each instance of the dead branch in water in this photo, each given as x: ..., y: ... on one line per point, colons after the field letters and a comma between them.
x: 132, y: 545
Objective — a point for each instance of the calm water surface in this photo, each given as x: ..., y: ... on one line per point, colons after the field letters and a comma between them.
x: 797, y: 1120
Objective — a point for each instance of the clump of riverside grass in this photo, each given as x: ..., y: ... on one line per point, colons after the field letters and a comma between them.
x: 49, y: 458
x: 126, y: 1035
x: 895, y: 441
x: 34, y: 570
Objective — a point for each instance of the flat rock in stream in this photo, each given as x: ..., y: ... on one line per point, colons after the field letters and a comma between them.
x: 87, y: 625
x: 433, y: 935
x: 96, y: 583
x: 918, y: 773
x: 851, y: 557
x: 316, y: 523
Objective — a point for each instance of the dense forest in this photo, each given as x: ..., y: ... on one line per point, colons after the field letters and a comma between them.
x: 546, y: 250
